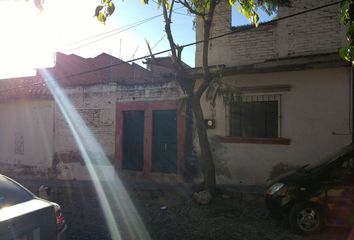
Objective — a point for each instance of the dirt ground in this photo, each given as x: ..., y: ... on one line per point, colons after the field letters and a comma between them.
x: 172, y: 214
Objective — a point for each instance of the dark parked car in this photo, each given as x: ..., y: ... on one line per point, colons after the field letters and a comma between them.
x: 23, y: 216
x: 313, y: 196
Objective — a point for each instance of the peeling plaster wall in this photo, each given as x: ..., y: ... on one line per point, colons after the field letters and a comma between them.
x: 318, y: 104
x: 26, y: 139
x: 97, y: 106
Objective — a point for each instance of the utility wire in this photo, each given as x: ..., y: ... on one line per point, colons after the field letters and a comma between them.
x: 218, y: 36
x: 114, y: 31
x: 184, y: 14
x: 157, y: 43
x: 123, y: 30
x: 186, y: 45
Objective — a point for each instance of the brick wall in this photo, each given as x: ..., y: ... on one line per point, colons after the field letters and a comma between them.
x: 311, y: 33
x: 97, y: 106
x: 315, y: 32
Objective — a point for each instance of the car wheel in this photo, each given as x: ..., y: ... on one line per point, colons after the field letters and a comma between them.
x: 306, y: 218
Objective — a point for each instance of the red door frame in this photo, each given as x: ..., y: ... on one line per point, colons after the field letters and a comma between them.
x: 148, y: 107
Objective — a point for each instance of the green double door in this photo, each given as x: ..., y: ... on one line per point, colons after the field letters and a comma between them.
x: 164, y: 141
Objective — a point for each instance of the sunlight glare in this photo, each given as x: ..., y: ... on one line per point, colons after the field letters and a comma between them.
x: 121, y: 215
x: 26, y: 40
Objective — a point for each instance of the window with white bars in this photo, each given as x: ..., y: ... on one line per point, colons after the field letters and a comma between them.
x: 256, y: 116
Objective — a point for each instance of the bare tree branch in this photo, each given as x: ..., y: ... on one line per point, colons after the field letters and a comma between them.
x: 171, y: 10
x: 148, y: 45
x: 168, y: 29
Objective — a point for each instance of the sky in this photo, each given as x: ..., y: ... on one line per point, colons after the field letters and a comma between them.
x: 29, y: 37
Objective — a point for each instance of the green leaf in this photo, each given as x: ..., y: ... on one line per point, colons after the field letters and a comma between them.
x: 110, y: 8
x: 98, y: 9
x: 239, y: 9
x: 343, y: 52
x: 167, y: 4
x: 345, y: 18
x: 232, y: 2
x: 344, y: 4
x: 101, y: 17
x: 350, y: 30
x: 255, y: 19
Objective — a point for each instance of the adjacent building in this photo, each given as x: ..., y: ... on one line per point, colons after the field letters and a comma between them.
x: 286, y: 99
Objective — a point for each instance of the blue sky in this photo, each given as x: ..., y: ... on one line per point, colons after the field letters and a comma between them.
x: 131, y: 43
x: 29, y: 40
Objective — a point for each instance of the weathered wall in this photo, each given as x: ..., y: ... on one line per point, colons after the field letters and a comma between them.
x: 97, y: 106
x: 315, y: 115
x: 312, y: 33
x: 36, y: 141
x: 26, y: 139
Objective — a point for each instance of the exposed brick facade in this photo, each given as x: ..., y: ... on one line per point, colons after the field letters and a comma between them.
x: 97, y: 106
x: 306, y: 34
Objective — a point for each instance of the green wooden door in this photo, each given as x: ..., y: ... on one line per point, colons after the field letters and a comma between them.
x: 133, y: 140
x: 164, y: 143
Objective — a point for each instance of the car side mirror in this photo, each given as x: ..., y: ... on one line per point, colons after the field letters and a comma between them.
x: 44, y: 192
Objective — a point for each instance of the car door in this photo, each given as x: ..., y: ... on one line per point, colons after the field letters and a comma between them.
x: 22, y: 216
x: 339, y: 191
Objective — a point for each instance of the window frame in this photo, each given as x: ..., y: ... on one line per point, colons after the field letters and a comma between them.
x: 254, y: 97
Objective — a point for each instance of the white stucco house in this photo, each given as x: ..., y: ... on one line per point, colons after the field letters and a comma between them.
x: 287, y: 99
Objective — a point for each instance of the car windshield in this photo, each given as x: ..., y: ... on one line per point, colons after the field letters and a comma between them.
x: 328, y: 159
x: 11, y: 193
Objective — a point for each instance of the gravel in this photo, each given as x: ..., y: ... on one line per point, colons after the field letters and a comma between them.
x: 172, y: 214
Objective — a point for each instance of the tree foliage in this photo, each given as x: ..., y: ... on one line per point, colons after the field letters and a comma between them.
x: 104, y: 10
x: 248, y: 8
x: 347, y: 18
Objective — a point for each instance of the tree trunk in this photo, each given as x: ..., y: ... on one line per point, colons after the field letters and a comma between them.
x: 208, y: 167
x: 190, y: 161
x: 207, y: 162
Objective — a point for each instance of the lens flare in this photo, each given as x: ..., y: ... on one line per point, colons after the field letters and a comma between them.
x: 121, y: 216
